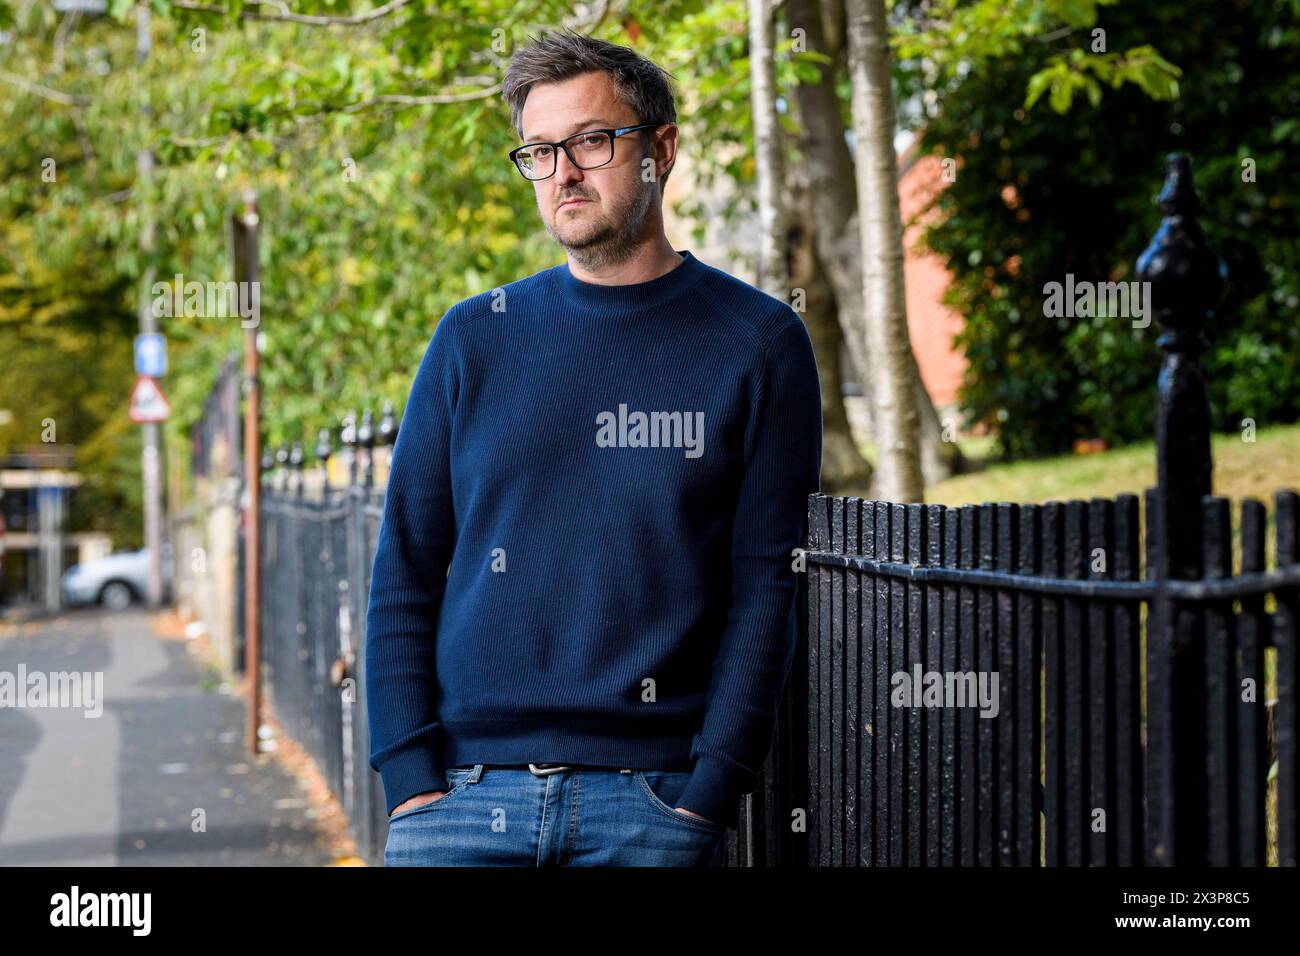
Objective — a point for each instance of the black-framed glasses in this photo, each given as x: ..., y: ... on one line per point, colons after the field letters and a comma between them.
x: 589, y: 149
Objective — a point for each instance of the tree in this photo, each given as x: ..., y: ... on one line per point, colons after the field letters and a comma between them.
x: 834, y: 226
x: 1041, y: 194
x: 897, y: 418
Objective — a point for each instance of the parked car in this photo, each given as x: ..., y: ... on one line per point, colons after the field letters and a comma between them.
x: 115, y: 581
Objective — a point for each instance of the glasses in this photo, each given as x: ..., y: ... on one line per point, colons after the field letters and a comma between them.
x: 587, y: 150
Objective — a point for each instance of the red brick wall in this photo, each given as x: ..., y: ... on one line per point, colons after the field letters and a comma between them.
x: 931, y: 325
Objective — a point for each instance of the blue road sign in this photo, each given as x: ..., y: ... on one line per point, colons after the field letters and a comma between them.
x: 150, y: 354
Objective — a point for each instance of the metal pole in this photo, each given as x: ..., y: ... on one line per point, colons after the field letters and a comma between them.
x: 49, y: 499
x: 151, y: 461
x: 245, y: 252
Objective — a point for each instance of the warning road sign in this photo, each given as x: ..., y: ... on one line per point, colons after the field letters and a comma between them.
x: 148, y: 403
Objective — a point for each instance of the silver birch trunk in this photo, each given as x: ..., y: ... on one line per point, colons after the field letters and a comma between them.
x: 891, y: 374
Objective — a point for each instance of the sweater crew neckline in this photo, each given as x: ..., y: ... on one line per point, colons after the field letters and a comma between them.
x: 634, y: 295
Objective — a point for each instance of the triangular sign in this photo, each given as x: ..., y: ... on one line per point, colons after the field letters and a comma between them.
x: 148, y: 403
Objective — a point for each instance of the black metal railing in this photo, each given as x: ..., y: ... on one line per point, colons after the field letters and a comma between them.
x: 1051, y: 598
x: 318, y: 542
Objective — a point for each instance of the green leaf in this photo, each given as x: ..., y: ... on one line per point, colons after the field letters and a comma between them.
x: 1285, y: 130
x: 1062, y: 94
x: 1038, y: 84
x: 1094, y: 91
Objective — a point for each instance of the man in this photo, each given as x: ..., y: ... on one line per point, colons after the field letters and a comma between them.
x: 581, y: 611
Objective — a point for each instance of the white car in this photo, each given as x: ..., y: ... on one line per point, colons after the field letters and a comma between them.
x: 115, y: 581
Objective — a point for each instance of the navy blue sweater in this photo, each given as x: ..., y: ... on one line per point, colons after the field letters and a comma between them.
x: 587, y: 552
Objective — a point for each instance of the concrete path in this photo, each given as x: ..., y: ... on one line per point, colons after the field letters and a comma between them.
x: 159, y: 778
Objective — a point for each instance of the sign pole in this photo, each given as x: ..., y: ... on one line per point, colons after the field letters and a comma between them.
x: 151, y: 462
x: 245, y: 253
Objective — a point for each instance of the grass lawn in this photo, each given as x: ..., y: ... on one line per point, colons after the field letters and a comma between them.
x: 1241, y: 470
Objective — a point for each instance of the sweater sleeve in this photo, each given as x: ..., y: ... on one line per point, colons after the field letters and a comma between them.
x: 782, y: 468
x: 408, y: 578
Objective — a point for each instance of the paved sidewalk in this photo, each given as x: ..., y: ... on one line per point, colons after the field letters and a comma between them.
x: 126, y: 787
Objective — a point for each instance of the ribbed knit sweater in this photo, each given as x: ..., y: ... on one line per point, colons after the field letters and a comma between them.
x: 588, y: 546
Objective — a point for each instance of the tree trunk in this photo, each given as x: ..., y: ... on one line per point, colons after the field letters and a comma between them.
x: 772, y: 273
x: 844, y: 470
x: 893, y: 371
x: 837, y: 234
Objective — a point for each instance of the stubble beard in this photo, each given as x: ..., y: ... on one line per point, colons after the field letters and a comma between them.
x: 600, y: 244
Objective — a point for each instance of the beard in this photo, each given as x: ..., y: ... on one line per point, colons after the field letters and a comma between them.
x: 597, y: 242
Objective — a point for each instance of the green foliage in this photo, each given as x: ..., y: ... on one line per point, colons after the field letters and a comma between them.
x: 1041, y: 193
x: 356, y: 270
x: 1067, y: 74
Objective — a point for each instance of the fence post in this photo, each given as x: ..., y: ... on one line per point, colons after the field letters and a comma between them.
x: 386, y: 437
x: 295, y: 462
x: 1186, y: 280
x: 348, y: 436
x: 366, y: 441
x: 323, y: 452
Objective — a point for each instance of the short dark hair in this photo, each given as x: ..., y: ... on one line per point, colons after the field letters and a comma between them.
x: 564, y: 54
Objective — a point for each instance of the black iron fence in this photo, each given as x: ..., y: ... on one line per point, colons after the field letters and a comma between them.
x: 976, y: 696
x: 1070, y: 683
x: 318, y: 543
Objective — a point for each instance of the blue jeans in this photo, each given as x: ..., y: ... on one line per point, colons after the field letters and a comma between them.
x: 579, y: 816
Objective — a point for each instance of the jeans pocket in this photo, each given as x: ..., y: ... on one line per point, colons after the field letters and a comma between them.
x: 457, y: 780
x: 662, y: 789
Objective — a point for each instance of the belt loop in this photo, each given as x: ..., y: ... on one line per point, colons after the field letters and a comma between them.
x: 476, y: 773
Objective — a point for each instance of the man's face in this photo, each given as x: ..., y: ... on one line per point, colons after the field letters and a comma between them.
x: 615, y: 216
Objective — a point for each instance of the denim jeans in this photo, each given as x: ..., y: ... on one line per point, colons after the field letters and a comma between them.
x: 578, y: 816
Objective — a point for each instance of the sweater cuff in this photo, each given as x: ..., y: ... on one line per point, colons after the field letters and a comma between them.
x: 407, y: 772
x: 715, y: 788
